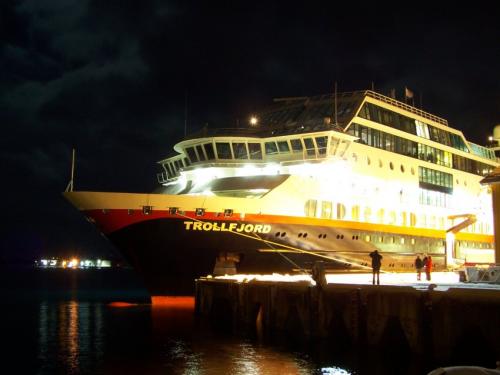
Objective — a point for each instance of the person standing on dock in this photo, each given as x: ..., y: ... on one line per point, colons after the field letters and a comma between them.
x: 428, y: 267
x: 376, y: 264
x: 418, y: 266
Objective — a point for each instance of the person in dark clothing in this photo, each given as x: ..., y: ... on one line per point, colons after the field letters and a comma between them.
x: 418, y: 266
x: 318, y: 274
x: 376, y: 264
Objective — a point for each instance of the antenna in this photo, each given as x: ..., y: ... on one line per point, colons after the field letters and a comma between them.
x: 185, y: 112
x: 70, y: 183
x: 335, y: 103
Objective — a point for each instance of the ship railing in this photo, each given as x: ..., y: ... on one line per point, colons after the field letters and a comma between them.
x: 406, y: 107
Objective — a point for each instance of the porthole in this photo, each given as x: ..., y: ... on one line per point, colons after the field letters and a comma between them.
x: 341, y: 236
x: 283, y: 234
x: 402, y: 168
x: 300, y: 235
x: 200, y: 211
x: 228, y: 212
x: 380, y: 163
x: 130, y: 211
x: 391, y: 165
x: 146, y: 210
x: 368, y: 161
x: 277, y: 234
x: 304, y: 235
x: 324, y: 236
x: 338, y: 236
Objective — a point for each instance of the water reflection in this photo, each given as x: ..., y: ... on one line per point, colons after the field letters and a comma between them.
x: 69, y: 336
x: 77, y: 337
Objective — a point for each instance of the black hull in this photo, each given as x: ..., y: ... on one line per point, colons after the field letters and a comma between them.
x: 169, y: 258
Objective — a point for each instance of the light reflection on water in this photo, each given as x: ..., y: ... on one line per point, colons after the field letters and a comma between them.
x: 92, y: 337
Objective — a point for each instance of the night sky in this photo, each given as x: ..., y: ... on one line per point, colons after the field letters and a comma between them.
x: 110, y: 77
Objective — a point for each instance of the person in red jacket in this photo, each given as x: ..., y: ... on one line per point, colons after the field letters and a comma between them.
x: 428, y: 267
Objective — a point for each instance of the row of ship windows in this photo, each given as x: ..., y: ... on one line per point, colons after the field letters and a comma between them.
x: 339, y: 211
x: 314, y: 146
x: 389, y: 142
x: 426, y: 174
x: 375, y: 113
x: 392, y: 240
x: 253, y: 150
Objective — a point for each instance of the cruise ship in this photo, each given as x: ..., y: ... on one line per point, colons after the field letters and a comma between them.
x: 325, y: 178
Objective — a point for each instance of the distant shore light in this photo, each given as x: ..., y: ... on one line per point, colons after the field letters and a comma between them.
x: 253, y: 120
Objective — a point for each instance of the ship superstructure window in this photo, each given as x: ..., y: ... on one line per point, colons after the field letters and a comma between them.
x: 186, y: 162
x: 201, y: 155
x: 326, y: 210
x: 240, y: 151
x: 223, y: 150
x: 386, y: 117
x: 308, y: 142
x: 283, y: 147
x: 321, y: 142
x: 209, y: 150
x: 255, y: 150
x: 271, y: 148
x: 310, y: 208
x: 192, y: 154
x: 200, y: 211
x: 435, y: 180
x: 296, y: 145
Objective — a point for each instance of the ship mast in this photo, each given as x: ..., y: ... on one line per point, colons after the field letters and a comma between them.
x: 70, y: 183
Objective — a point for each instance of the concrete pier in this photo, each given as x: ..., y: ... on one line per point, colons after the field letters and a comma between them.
x: 437, y: 323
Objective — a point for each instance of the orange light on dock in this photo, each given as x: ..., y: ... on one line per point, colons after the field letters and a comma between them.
x: 185, y: 302
x: 121, y: 304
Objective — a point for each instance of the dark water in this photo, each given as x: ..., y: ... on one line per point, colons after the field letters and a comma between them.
x: 65, y: 322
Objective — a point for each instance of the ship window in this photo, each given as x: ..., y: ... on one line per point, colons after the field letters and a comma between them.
x: 255, y: 151
x: 326, y: 210
x: 283, y: 147
x: 228, y: 212
x: 340, y: 211
x: 321, y: 142
x: 311, y: 151
x: 130, y: 211
x: 186, y: 162
x: 296, y: 145
x: 391, y: 165
x: 271, y: 148
x: 310, y: 208
x: 192, y: 154
x: 201, y: 155
x: 146, y: 210
x: 200, y: 211
x: 240, y: 151
x: 402, y: 168
x: 209, y: 150
x: 368, y: 161
x: 223, y: 150
x: 380, y: 163
x: 173, y: 210
x: 355, y: 213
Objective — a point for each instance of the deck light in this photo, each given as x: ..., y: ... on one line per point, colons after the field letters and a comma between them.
x: 253, y: 120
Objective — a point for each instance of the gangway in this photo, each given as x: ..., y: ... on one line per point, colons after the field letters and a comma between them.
x: 469, y: 219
